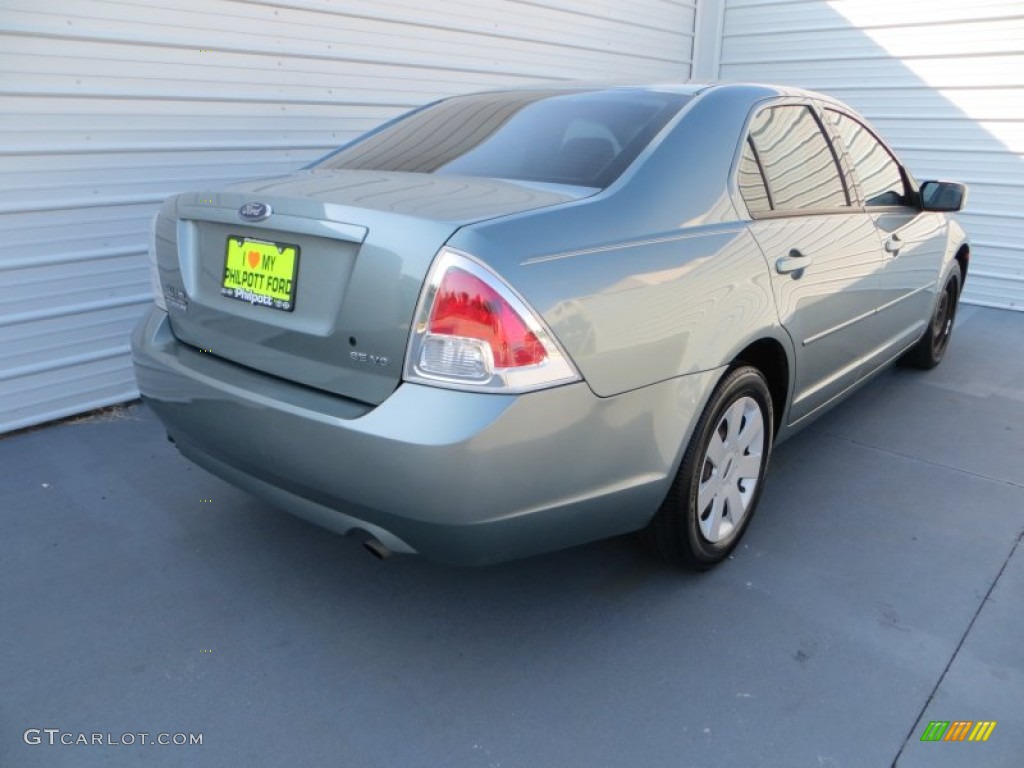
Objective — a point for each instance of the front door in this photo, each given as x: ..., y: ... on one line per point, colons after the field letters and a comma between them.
x: 911, y: 241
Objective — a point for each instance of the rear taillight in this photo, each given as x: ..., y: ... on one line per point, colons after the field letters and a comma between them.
x: 473, y: 332
x: 154, y: 270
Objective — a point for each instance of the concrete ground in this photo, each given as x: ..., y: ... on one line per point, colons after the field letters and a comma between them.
x: 880, y: 587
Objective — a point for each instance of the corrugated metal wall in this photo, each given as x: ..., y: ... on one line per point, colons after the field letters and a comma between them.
x: 943, y: 80
x: 108, y: 107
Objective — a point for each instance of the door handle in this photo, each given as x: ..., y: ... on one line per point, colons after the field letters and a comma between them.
x: 793, y: 264
x: 893, y: 244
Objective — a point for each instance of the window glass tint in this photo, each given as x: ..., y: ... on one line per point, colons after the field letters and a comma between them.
x: 797, y: 160
x: 585, y: 138
x: 751, y: 182
x: 880, y: 177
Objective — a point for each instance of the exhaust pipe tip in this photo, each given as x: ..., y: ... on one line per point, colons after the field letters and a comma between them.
x: 375, y: 548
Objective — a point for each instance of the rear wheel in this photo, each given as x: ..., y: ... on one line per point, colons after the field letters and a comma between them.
x: 719, y: 482
x: 929, y: 351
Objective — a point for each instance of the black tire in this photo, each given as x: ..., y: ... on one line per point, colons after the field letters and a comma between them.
x: 677, y: 532
x: 929, y: 351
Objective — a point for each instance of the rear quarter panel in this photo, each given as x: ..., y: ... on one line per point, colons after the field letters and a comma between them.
x: 655, y: 277
x: 640, y: 312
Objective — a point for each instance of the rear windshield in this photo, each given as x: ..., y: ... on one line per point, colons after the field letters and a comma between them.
x: 582, y: 138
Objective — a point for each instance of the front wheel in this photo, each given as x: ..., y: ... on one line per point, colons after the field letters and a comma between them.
x: 929, y: 351
x: 719, y: 482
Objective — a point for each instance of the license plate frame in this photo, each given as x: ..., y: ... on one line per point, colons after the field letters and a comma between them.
x: 253, y: 274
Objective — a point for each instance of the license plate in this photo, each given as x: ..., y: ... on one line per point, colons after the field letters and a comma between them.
x: 260, y: 272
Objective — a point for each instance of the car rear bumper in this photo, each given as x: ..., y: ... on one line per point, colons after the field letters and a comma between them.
x: 457, y: 477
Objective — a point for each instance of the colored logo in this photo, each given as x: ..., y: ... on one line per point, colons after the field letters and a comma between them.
x: 958, y: 730
x: 255, y: 211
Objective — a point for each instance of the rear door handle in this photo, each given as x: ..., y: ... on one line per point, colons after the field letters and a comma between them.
x: 893, y: 244
x: 793, y: 264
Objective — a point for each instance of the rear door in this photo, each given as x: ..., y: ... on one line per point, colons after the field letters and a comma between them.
x: 822, y: 250
x: 912, y: 242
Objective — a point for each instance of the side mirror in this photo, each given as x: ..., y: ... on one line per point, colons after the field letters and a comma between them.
x: 943, y: 196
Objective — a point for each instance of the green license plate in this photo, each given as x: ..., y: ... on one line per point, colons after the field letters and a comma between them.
x: 260, y: 272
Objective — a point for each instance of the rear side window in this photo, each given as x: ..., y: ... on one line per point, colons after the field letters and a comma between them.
x: 583, y: 138
x: 800, y: 170
x: 880, y: 177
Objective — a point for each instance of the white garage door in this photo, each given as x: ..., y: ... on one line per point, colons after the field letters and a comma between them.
x: 943, y: 80
x: 109, y: 107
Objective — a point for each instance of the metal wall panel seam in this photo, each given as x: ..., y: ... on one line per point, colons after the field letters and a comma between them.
x: 52, y: 365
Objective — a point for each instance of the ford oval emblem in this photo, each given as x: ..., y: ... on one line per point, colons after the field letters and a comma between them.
x: 255, y: 211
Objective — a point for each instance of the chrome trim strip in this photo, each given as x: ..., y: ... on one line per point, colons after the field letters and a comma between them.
x: 844, y: 324
x: 326, y: 227
x: 831, y: 379
x: 907, y: 295
x: 858, y: 318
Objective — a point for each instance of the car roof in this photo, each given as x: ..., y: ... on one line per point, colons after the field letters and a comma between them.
x: 688, y: 88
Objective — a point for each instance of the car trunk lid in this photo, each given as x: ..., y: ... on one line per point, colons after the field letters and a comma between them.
x: 356, y: 244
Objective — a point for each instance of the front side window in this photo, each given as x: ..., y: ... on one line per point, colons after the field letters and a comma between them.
x: 800, y: 169
x: 583, y: 138
x: 880, y: 177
